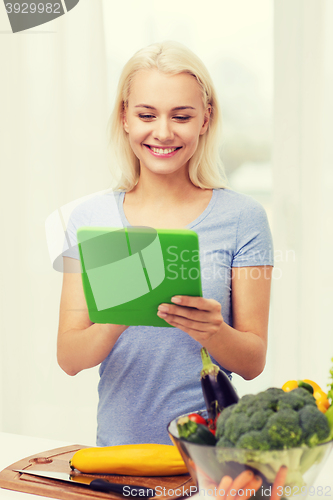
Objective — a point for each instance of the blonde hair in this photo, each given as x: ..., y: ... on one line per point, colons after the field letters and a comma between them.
x: 205, y: 166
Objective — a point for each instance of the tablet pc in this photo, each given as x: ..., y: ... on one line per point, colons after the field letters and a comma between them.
x: 127, y: 272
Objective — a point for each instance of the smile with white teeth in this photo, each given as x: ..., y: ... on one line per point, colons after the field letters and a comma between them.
x: 161, y: 151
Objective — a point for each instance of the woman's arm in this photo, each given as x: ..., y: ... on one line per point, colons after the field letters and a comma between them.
x: 241, y: 349
x: 81, y: 343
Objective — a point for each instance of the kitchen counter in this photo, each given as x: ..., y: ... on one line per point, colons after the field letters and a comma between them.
x: 14, y: 447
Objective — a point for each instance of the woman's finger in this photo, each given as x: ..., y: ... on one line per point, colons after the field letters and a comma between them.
x: 249, y: 489
x: 185, y: 312
x: 239, y: 482
x: 197, y: 302
x: 223, y: 487
x: 188, y: 323
x: 278, y: 484
x: 185, y: 324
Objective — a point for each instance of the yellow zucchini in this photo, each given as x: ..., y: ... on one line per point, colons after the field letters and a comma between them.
x: 149, y: 459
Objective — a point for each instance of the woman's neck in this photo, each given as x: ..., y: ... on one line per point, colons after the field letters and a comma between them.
x: 159, y: 189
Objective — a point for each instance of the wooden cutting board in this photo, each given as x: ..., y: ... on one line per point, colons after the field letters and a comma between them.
x: 58, y: 460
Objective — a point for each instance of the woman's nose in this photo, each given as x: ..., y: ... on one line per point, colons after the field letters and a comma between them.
x: 163, y: 130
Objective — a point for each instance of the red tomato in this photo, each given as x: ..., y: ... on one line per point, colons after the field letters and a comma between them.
x: 198, y: 419
x: 212, y: 424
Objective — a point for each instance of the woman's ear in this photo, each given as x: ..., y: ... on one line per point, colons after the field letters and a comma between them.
x: 206, y: 119
x: 125, y: 124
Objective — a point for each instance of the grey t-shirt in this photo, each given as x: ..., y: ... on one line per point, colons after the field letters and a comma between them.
x: 152, y: 374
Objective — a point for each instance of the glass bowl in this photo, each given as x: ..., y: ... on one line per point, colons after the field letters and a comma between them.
x: 209, y: 466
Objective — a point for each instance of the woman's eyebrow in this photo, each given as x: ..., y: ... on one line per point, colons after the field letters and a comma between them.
x: 178, y: 108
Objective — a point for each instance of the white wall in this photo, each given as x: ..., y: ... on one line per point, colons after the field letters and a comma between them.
x: 303, y: 181
x: 53, y: 119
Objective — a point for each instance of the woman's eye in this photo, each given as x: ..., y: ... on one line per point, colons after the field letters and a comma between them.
x: 146, y: 117
x: 182, y: 118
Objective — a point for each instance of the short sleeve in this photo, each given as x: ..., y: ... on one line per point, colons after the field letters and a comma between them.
x: 70, y: 248
x: 254, y: 244
x: 98, y: 210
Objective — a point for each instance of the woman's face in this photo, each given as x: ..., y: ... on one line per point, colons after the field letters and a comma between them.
x: 164, y: 118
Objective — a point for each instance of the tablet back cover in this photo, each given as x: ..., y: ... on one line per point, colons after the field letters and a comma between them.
x: 127, y: 272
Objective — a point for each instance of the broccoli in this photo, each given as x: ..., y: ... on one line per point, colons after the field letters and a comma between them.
x: 305, y: 395
x: 285, y: 419
x: 223, y: 417
x: 246, y: 405
x: 283, y: 428
x: 296, y: 399
x: 259, y: 419
x: 271, y: 397
x: 274, y: 428
x: 235, y: 426
x: 223, y: 442
x: 314, y: 424
x: 253, y: 440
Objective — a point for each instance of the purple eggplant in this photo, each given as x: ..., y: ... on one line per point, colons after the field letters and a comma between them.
x: 218, y: 391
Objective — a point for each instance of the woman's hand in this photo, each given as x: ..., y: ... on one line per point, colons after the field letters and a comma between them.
x: 200, y: 318
x: 81, y: 343
x: 242, y: 347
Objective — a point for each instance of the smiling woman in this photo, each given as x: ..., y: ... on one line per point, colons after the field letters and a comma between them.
x: 171, y: 127
x: 164, y: 128
x: 168, y: 64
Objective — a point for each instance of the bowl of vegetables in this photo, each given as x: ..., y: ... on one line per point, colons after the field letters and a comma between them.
x: 270, y: 445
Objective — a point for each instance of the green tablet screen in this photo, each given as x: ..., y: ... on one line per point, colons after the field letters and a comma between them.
x: 127, y: 272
